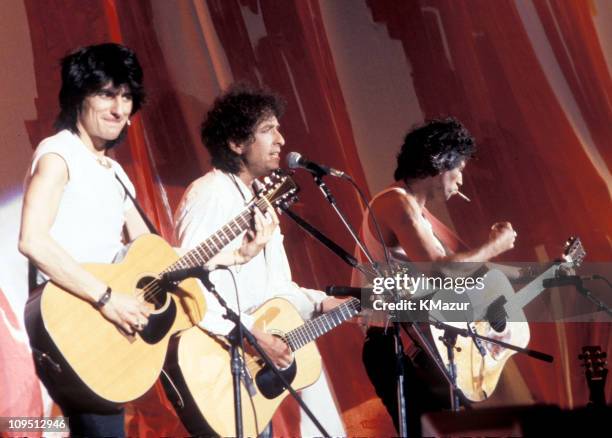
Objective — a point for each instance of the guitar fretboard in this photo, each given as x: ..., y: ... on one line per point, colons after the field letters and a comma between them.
x: 206, y: 250
x: 311, y: 330
x: 574, y: 254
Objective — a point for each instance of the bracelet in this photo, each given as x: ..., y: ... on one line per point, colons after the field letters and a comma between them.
x: 104, y: 298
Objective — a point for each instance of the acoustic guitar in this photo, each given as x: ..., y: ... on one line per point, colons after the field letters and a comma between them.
x: 84, y: 359
x: 199, y: 365
x: 498, y: 313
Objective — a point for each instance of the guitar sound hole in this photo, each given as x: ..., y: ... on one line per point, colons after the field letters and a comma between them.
x: 152, y: 290
x: 496, y: 314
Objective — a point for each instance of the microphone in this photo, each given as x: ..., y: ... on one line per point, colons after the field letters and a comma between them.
x: 295, y: 160
x: 346, y: 291
x: 567, y: 280
x: 193, y: 272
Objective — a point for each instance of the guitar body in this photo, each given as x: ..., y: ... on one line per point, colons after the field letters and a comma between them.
x: 199, y: 365
x: 477, y: 376
x: 100, y: 367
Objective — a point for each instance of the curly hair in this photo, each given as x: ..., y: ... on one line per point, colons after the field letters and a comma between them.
x: 234, y: 117
x: 433, y: 148
x: 87, y: 70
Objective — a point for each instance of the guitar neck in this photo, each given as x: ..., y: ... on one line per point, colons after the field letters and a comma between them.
x: 206, y: 250
x: 528, y: 293
x: 311, y: 330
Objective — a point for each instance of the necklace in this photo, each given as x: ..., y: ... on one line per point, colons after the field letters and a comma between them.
x: 104, y: 162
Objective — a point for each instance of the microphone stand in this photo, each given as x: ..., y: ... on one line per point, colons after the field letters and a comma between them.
x: 318, y: 179
x: 414, y: 331
x: 399, y: 346
x: 601, y: 306
x: 351, y: 261
x: 326, y: 241
x: 237, y: 365
x: 472, y: 334
x: 450, y: 338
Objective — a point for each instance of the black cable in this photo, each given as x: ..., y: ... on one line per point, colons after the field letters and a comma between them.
x: 367, y: 204
x: 241, y: 337
x: 602, y: 278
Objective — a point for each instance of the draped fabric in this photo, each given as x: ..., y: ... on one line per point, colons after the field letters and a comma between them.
x: 530, y: 79
x: 534, y: 162
x: 23, y: 399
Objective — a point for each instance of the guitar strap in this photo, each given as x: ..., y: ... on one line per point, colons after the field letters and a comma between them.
x: 32, y: 277
x: 143, y: 215
x: 173, y: 393
x: 257, y: 187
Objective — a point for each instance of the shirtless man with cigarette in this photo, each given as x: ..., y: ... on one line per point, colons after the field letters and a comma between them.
x: 430, y: 166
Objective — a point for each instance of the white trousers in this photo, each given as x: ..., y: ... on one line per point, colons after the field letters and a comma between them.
x: 319, y: 399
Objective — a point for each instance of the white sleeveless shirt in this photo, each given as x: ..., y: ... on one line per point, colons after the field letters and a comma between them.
x: 91, y: 213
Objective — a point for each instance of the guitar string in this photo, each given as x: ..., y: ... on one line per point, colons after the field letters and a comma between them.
x: 153, y: 288
x: 150, y: 290
x: 298, y: 338
x: 319, y: 323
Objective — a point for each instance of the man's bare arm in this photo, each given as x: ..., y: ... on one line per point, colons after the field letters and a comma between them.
x: 40, y: 206
x: 416, y: 240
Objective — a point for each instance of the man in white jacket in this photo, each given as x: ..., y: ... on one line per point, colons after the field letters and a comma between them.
x: 241, y: 133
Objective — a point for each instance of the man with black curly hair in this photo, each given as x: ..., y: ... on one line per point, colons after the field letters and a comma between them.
x: 242, y: 134
x: 430, y: 166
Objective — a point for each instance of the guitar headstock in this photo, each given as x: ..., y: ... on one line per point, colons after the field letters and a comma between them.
x: 279, y: 189
x: 595, y: 369
x: 573, y: 255
x: 594, y: 362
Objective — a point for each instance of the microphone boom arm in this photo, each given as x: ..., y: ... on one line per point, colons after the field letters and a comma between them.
x: 326, y: 241
x: 330, y: 198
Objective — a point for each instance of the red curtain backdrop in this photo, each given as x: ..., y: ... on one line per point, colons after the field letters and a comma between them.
x: 531, y: 165
x: 543, y: 163
x: 24, y: 398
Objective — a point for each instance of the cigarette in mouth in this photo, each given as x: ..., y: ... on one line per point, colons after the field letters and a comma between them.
x: 461, y: 195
